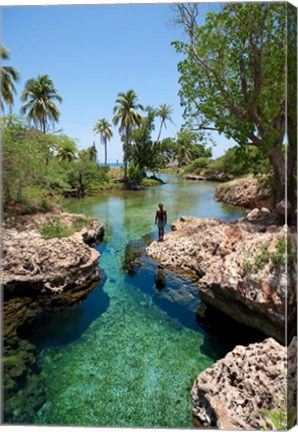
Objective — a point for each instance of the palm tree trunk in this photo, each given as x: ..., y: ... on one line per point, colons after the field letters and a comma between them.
x: 159, y: 133
x: 127, y: 132
x: 106, y: 153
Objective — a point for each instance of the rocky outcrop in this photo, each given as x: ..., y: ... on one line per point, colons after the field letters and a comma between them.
x: 242, y: 389
x: 39, y: 275
x: 244, y: 192
x: 207, y: 176
x: 239, y: 266
x: 32, y: 263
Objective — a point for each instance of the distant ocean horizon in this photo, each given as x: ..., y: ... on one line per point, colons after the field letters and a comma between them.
x: 113, y: 164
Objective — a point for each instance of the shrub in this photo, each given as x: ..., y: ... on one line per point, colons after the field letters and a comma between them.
x: 197, y: 165
x: 55, y: 228
x: 135, y: 174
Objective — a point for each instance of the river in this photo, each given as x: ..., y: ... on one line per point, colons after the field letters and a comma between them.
x: 128, y: 355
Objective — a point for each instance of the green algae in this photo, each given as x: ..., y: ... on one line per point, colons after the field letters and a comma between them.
x: 133, y: 367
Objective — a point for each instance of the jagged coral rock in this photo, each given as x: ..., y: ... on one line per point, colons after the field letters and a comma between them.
x: 238, y: 391
x: 235, y: 267
x: 31, y: 262
x: 245, y: 192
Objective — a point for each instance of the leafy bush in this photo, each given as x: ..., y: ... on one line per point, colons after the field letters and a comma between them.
x: 135, y: 174
x: 197, y: 165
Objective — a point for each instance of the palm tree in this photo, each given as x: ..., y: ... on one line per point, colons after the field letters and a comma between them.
x: 8, y: 76
x: 103, y: 128
x: 125, y: 113
x: 38, y: 96
x: 164, y: 112
x: 89, y: 154
x: 92, y: 153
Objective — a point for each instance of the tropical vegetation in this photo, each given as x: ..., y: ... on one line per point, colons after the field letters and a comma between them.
x: 103, y: 128
x: 233, y: 80
x: 9, y: 75
x: 127, y: 116
x: 38, y: 97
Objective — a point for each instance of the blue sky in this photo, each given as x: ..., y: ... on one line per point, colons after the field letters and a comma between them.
x: 94, y: 52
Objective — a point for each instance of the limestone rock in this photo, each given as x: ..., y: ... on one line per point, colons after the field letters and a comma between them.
x: 238, y: 266
x: 207, y: 176
x: 31, y: 263
x: 238, y: 390
x: 245, y: 192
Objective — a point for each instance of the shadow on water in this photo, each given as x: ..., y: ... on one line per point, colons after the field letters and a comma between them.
x: 178, y: 296
x: 56, y: 326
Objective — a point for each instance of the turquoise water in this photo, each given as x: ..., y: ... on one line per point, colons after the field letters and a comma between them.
x: 129, y: 354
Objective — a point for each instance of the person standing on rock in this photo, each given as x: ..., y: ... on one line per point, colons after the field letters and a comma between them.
x: 161, y: 220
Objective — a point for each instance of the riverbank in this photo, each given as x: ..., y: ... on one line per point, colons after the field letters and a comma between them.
x: 241, y: 269
x: 47, y: 264
x: 239, y: 266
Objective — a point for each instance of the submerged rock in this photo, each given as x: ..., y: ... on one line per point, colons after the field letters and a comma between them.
x: 240, y: 268
x: 242, y: 390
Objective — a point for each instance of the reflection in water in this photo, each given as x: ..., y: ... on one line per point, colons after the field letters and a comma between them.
x: 160, y: 279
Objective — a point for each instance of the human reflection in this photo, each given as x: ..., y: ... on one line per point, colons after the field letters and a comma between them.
x: 160, y: 278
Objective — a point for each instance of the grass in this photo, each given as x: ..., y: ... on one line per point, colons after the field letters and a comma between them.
x: 283, y: 253
x: 55, y: 228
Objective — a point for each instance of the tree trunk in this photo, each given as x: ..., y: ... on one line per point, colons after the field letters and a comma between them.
x: 106, y: 153
x: 158, y: 137
x: 127, y: 132
x: 283, y: 181
x: 278, y: 163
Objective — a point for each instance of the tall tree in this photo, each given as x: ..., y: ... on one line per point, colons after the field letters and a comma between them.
x: 164, y: 112
x: 103, y: 128
x: 233, y: 78
x: 127, y: 116
x: 9, y: 75
x: 38, y: 96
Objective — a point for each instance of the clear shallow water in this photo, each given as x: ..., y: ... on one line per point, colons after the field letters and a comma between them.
x: 128, y: 355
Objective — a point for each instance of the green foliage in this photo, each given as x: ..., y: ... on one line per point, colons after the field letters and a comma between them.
x: 86, y: 175
x: 65, y: 146
x: 197, y: 165
x: 80, y: 222
x: 284, y: 253
x: 35, y: 171
x: 126, y: 115
x: 38, y: 97
x: 232, y: 78
x: 9, y: 76
x: 55, y: 228
x: 103, y: 128
x: 261, y: 258
x: 135, y: 173
x: 235, y: 162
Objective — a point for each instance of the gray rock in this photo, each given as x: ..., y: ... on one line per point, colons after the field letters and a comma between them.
x: 236, y: 267
x: 238, y: 391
